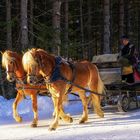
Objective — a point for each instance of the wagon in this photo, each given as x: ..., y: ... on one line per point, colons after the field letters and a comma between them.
x: 122, y: 94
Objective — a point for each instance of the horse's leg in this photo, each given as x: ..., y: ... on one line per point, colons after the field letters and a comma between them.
x: 96, y: 100
x: 96, y: 85
x: 89, y: 101
x: 97, y: 106
x: 18, y: 99
x: 99, y: 88
x: 65, y: 117
x: 35, y: 109
x: 85, y: 110
x: 56, y: 102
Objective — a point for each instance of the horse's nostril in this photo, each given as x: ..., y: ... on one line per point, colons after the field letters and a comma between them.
x: 31, y: 81
x: 11, y: 78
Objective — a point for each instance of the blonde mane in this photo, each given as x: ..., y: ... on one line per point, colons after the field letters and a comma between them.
x: 28, y: 59
x: 35, y: 58
x: 6, y: 57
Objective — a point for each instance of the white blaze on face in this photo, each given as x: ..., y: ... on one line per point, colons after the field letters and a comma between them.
x: 6, y: 66
x: 6, y: 59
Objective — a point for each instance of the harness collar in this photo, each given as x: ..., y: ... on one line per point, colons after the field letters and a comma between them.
x: 56, y: 74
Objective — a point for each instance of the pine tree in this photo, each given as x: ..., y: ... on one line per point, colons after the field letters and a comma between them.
x: 24, y: 25
x: 56, y: 26
x: 106, y: 27
x: 9, y: 26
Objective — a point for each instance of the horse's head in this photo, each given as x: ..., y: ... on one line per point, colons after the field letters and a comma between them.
x: 10, y: 64
x: 36, y: 63
x: 31, y: 64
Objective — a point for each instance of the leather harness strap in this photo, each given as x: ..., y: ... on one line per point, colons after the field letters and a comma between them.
x: 56, y: 74
x: 73, y: 77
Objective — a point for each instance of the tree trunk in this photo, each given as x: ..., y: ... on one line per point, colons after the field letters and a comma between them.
x: 90, y: 45
x: 121, y: 21
x: 106, y: 11
x: 2, y: 84
x: 66, y: 35
x: 24, y: 25
x: 56, y: 26
x: 82, y: 29
x: 127, y: 17
x: 9, y: 25
x: 138, y: 31
x: 31, y: 23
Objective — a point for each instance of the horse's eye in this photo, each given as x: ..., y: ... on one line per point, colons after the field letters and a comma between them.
x: 36, y: 59
x: 11, y: 62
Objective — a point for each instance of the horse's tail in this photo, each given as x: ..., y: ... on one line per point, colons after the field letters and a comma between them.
x: 101, y: 86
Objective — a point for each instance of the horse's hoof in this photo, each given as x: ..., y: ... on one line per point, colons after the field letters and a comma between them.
x: 101, y: 115
x: 33, y: 125
x: 53, y: 126
x: 18, y: 119
x: 71, y: 120
x: 51, y: 129
x: 81, y: 121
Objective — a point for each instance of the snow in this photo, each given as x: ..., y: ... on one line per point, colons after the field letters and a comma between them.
x: 115, y: 125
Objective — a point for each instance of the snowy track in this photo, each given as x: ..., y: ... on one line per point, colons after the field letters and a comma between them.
x: 115, y: 126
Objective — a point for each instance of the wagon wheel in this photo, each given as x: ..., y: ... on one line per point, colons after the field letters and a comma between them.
x: 123, y: 103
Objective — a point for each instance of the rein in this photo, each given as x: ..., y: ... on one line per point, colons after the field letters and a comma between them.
x: 56, y: 75
x: 80, y: 87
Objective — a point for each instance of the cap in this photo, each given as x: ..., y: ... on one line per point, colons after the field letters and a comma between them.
x: 124, y: 37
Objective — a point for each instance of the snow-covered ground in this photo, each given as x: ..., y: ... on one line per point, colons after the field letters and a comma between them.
x: 115, y: 125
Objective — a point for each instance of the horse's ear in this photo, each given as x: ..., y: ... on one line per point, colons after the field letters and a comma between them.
x: 1, y: 52
x: 22, y: 52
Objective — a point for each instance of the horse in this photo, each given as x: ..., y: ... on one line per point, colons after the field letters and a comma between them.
x: 39, y: 62
x: 12, y: 62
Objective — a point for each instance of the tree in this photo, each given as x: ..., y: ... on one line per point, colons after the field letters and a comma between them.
x: 2, y: 84
x: 24, y: 25
x: 82, y: 29
x: 56, y: 26
x: 9, y: 25
x: 66, y: 34
x: 106, y: 27
x: 31, y: 23
x: 89, y: 30
x: 138, y: 31
x: 121, y: 18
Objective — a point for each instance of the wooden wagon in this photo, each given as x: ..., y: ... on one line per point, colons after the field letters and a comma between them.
x: 122, y: 94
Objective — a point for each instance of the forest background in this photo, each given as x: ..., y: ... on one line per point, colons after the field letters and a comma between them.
x: 76, y: 29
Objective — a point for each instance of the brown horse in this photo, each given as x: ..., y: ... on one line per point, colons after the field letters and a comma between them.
x: 12, y: 62
x: 39, y: 62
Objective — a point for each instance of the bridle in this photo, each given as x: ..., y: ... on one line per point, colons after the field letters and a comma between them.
x: 13, y: 71
x: 40, y: 65
x: 13, y: 65
x: 56, y: 71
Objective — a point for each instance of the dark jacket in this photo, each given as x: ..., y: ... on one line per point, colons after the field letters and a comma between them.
x: 128, y: 52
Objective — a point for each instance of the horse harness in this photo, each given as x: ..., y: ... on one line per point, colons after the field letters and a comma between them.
x: 56, y: 74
